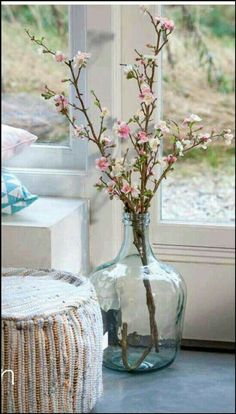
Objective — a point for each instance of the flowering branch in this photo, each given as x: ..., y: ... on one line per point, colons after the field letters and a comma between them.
x: 117, y: 175
x: 118, y: 181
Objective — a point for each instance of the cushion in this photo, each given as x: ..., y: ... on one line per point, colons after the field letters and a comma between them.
x: 15, y: 196
x: 14, y: 141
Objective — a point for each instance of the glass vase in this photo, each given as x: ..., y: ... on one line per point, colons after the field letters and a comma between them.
x: 142, y: 301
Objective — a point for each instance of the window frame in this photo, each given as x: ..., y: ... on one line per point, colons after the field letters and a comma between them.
x: 216, y: 240
x: 48, y: 160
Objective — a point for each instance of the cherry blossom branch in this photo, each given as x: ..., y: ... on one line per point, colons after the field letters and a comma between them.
x: 117, y: 175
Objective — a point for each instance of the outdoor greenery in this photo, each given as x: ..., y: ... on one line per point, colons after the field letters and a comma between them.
x: 52, y: 19
x: 202, y: 82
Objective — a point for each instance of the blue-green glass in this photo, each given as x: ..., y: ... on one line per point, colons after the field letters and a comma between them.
x: 122, y: 286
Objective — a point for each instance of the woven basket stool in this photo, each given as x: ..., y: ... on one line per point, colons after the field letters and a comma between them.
x: 52, y: 341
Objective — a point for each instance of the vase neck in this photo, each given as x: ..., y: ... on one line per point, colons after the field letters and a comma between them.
x: 136, y: 236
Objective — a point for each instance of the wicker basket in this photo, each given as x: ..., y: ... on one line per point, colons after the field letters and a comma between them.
x: 51, y: 342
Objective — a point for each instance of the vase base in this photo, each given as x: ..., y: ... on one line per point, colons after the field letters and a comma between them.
x: 154, y: 361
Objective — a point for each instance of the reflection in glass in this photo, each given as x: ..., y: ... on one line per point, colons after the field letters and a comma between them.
x: 26, y: 70
x: 198, y: 77
x: 142, y: 305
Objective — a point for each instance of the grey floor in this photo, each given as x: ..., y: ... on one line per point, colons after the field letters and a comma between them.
x: 197, y: 382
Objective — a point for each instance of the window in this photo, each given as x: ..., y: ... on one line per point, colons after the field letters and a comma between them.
x: 198, y: 77
x: 24, y: 77
x: 26, y: 74
x: 199, y: 236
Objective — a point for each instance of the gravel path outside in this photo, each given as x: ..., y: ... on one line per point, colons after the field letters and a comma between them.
x: 192, y: 194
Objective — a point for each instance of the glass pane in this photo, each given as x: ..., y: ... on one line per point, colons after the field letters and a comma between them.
x: 198, y: 78
x: 25, y: 71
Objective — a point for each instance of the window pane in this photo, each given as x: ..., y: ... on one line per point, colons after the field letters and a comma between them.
x: 26, y: 71
x: 198, y: 78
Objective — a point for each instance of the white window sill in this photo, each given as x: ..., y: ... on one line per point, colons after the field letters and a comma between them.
x: 52, y: 232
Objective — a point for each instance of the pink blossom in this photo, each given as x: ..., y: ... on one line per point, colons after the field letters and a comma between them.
x: 110, y: 187
x: 162, y: 126
x: 126, y: 189
x: 167, y: 24
x: 192, y: 118
x: 142, y: 152
x: 186, y: 122
x: 134, y: 191
x: 157, y: 18
x: 143, y: 137
x: 61, y: 103
x: 102, y: 164
x: 170, y: 159
x: 142, y: 79
x: 106, y: 140
x: 59, y: 56
x: 146, y: 95
x: 79, y: 131
x: 122, y: 130
x: 145, y: 90
x: 204, y: 138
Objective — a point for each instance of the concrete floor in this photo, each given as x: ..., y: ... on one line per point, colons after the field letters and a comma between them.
x: 197, y: 382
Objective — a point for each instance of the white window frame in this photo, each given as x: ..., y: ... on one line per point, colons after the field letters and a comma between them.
x: 48, y: 160
x: 188, y: 239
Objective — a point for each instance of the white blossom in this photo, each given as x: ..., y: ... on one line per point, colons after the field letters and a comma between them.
x: 127, y: 69
x: 117, y: 168
x: 228, y: 138
x: 186, y: 143
x: 162, y: 126
x: 154, y: 144
x: 195, y: 118
x: 80, y: 59
x: 179, y: 147
x: 105, y: 112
